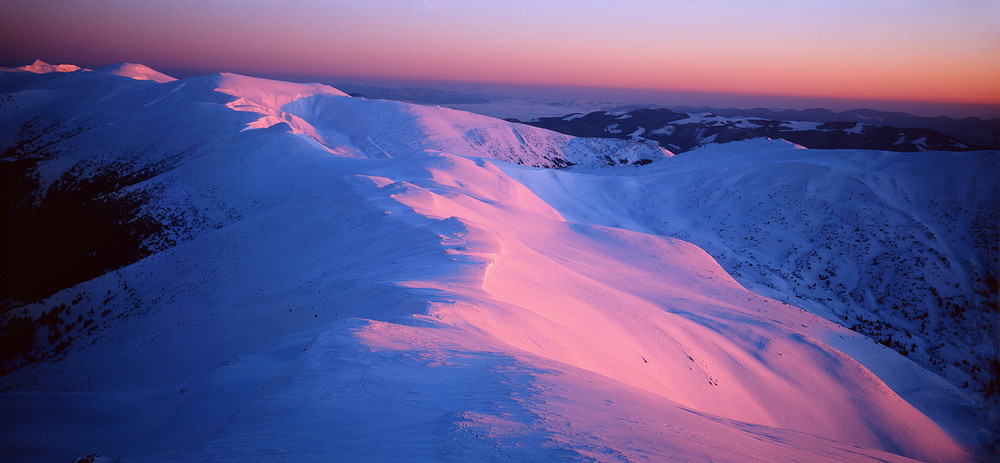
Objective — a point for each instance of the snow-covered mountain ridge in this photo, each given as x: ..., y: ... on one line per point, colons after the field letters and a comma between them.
x: 299, y: 274
x: 73, y: 143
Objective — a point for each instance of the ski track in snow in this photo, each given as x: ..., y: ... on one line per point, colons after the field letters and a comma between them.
x: 373, y: 281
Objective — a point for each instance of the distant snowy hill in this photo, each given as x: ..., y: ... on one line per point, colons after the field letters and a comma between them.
x: 41, y: 67
x: 684, y: 131
x: 973, y: 130
x: 227, y: 268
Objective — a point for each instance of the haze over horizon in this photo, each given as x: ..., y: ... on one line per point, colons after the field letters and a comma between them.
x: 909, y: 51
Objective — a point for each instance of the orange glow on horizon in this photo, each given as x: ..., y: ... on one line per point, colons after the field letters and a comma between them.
x: 924, y: 52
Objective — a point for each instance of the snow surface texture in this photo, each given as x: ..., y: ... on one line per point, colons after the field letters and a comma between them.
x: 334, y: 277
x: 902, y: 248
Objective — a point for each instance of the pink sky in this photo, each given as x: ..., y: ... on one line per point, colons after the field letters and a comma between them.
x: 914, y: 50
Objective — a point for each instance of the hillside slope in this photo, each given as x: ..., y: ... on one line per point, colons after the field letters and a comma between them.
x: 899, y: 247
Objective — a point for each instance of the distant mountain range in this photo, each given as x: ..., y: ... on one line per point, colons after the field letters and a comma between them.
x: 681, y: 131
x: 695, y: 126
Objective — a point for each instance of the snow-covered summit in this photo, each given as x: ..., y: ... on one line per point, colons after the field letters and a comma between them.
x: 41, y: 67
x: 137, y: 72
x: 131, y: 70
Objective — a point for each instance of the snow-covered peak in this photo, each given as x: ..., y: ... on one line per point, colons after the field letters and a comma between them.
x: 270, y: 92
x: 137, y: 72
x: 270, y: 99
x: 41, y: 67
x: 359, y: 127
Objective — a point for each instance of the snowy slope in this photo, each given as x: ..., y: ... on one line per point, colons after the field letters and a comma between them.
x: 318, y: 275
x: 899, y: 247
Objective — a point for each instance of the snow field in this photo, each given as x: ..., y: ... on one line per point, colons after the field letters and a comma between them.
x: 371, y: 280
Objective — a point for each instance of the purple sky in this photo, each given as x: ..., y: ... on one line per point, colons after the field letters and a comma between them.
x: 892, y: 50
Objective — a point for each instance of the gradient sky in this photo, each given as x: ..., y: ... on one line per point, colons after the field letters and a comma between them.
x: 915, y: 50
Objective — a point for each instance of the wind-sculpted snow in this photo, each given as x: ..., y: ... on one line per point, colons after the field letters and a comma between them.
x: 340, y: 278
